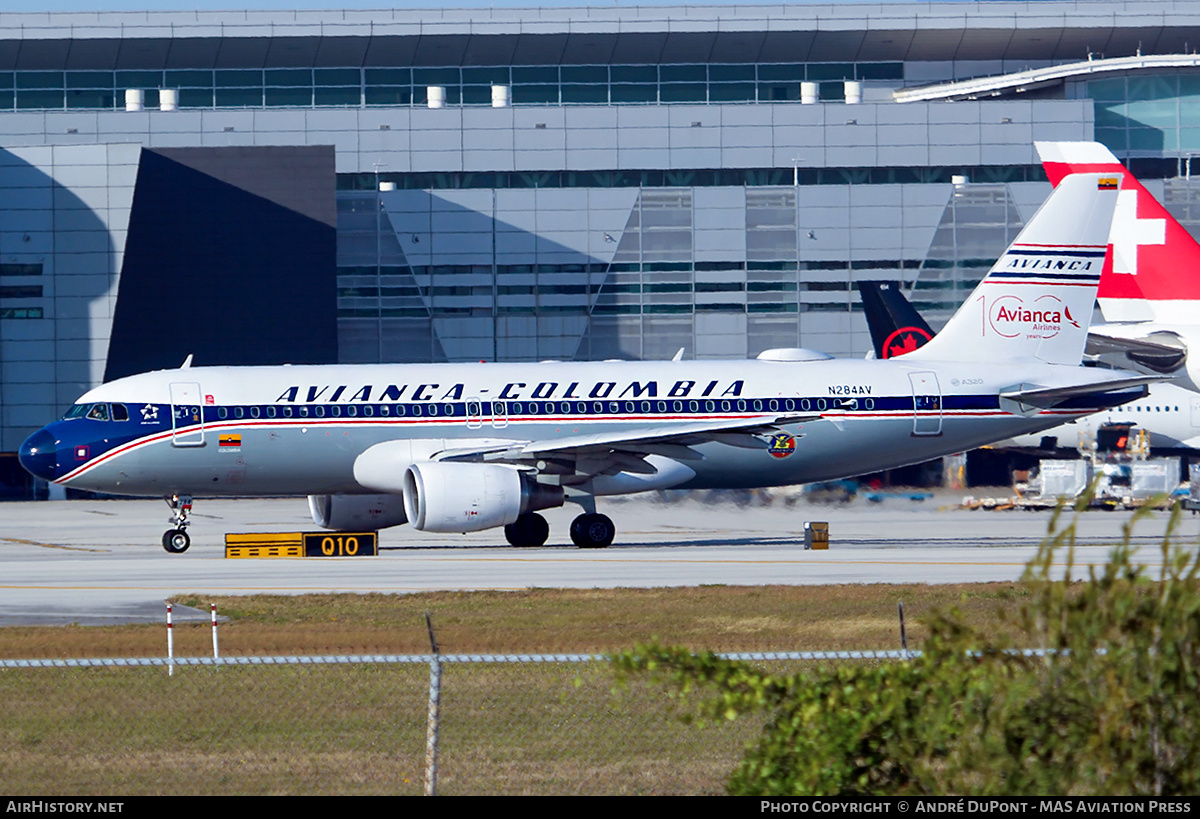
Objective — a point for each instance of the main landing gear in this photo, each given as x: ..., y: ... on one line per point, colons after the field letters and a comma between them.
x: 176, y: 540
x: 528, y: 530
x: 588, y: 531
x: 592, y: 531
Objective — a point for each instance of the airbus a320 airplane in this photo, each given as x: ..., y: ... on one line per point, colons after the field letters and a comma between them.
x: 467, y: 447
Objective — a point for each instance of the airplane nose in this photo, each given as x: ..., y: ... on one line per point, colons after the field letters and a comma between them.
x: 39, y: 454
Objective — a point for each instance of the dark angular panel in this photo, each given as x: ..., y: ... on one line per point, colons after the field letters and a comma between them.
x: 836, y: 46
x: 242, y: 52
x: 43, y: 55
x: 230, y: 256
x: 493, y: 49
x: 9, y: 49
x: 293, y: 52
x: 1124, y: 42
x: 588, y: 49
x: 341, y: 52
x: 737, y: 46
x: 149, y: 53
x: 787, y: 46
x: 99, y: 54
x: 387, y: 51
x: 440, y: 49
x: 539, y: 49
x: 885, y: 45
x: 199, y: 52
x: 639, y: 47
x: 688, y: 47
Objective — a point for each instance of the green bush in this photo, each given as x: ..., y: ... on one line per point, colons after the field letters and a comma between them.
x: 1112, y: 708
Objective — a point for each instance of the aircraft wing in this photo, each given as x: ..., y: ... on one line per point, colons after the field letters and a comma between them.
x: 623, y: 449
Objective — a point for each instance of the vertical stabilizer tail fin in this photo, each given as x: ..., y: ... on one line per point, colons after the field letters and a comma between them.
x: 896, y: 326
x: 1154, y: 269
x: 1037, y: 300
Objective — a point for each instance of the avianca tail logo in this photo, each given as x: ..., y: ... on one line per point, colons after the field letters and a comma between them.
x: 1010, y: 317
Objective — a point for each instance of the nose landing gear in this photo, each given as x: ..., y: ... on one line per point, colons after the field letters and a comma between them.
x: 176, y: 540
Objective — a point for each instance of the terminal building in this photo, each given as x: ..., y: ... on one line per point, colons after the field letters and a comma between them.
x: 529, y: 184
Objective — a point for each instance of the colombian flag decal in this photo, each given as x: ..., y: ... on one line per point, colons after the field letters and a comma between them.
x: 230, y: 440
x: 1107, y: 183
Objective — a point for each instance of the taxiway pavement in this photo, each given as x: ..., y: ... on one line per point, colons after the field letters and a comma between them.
x: 101, y: 561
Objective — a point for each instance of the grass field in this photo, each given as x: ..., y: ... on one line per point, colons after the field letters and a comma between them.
x: 561, y: 728
x: 718, y: 618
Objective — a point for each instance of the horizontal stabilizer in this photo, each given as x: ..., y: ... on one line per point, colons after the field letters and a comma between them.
x: 1159, y: 344
x: 1047, y: 397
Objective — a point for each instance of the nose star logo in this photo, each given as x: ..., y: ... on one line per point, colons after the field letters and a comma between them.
x: 149, y: 413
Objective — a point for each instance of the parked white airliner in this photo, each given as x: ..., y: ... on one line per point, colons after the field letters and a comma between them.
x: 1150, y: 288
x: 466, y: 447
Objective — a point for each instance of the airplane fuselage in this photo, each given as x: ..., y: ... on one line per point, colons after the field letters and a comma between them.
x: 298, y: 430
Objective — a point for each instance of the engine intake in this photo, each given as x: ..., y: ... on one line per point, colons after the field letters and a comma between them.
x: 441, y: 496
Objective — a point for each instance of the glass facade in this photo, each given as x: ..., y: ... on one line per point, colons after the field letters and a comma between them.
x: 1151, y: 114
x: 368, y: 87
x: 696, y: 177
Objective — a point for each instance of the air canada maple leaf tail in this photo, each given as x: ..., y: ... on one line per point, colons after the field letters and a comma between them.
x: 1153, y: 272
x: 1037, y: 300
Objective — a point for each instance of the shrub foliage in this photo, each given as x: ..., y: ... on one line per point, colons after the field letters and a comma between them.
x: 1110, y: 708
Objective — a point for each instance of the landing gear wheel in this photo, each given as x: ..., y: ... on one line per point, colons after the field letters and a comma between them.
x: 176, y: 541
x: 527, y: 530
x: 592, y: 531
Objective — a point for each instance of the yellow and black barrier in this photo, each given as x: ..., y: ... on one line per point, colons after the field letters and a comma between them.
x: 302, y: 544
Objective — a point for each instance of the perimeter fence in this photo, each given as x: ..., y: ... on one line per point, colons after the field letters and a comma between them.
x: 490, y: 724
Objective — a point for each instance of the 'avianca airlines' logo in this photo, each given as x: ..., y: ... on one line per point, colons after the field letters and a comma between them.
x: 1010, y: 317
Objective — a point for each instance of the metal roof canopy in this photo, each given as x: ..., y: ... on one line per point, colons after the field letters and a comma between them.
x: 1034, y: 31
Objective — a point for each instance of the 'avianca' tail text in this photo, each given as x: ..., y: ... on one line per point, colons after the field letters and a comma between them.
x: 1037, y: 300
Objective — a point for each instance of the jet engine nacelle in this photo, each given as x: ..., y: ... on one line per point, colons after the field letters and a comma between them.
x: 442, y: 496
x: 355, y: 513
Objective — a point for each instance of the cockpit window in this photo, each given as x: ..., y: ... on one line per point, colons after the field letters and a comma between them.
x: 119, y: 413
x: 77, y: 411
x: 98, y: 412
